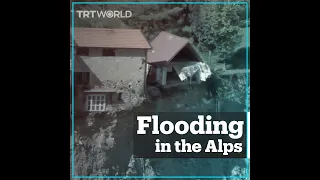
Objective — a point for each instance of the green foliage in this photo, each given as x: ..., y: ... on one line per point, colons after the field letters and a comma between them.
x: 218, y: 28
x: 234, y: 91
x: 238, y: 60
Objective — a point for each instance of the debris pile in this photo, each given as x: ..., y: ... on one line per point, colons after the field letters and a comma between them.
x: 188, y: 70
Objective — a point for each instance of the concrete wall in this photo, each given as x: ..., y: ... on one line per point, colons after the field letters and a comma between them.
x: 128, y: 72
x: 115, y: 68
x: 118, y: 73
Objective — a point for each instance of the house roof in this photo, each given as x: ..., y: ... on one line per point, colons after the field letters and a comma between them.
x: 110, y: 38
x: 79, y: 65
x: 165, y: 47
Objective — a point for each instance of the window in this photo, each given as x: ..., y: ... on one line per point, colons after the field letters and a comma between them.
x: 115, y: 98
x: 81, y: 78
x: 96, y: 102
x: 81, y: 51
x: 108, y: 52
x: 120, y: 97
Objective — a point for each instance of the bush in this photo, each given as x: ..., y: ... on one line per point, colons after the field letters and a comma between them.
x: 234, y: 90
x: 217, y: 27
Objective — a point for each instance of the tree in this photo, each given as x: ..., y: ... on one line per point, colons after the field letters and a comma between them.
x: 217, y: 27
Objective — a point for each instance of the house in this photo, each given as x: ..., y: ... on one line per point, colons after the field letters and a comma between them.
x: 109, y: 67
x: 174, y: 61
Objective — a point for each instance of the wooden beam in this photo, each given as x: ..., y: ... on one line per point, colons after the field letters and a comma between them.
x: 164, y: 75
x: 233, y: 71
x: 219, y: 66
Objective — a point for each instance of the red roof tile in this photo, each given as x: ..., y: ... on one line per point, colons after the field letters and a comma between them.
x: 165, y: 46
x: 110, y: 38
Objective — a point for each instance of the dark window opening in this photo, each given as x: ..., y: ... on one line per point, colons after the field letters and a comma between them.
x: 115, y: 98
x: 120, y: 97
x: 193, y: 78
x: 81, y: 78
x: 109, y: 98
x: 108, y: 52
x: 172, y: 76
x: 81, y: 51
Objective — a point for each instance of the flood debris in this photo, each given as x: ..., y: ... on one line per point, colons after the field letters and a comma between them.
x: 186, y: 71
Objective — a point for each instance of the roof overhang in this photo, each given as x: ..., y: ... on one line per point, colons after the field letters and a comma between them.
x: 79, y: 65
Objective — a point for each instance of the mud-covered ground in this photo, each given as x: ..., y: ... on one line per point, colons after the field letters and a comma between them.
x: 105, y: 148
x: 103, y: 143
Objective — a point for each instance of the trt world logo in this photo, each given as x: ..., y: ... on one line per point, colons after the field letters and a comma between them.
x: 103, y: 14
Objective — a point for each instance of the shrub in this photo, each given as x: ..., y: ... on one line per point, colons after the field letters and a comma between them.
x: 217, y: 27
x: 234, y: 90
